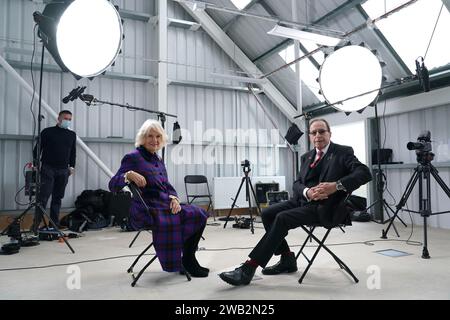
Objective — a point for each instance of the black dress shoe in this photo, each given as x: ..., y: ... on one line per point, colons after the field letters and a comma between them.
x: 287, y: 264
x: 240, y: 276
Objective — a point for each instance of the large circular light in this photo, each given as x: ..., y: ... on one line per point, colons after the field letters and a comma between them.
x: 84, y: 36
x: 349, y: 72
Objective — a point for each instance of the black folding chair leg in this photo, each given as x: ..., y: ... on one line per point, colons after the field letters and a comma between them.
x: 303, y: 246
x: 314, y: 256
x: 341, y: 264
x: 130, y: 269
x: 135, y: 279
x: 134, y: 239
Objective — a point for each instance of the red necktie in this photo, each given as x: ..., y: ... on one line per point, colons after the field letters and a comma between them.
x: 314, y: 164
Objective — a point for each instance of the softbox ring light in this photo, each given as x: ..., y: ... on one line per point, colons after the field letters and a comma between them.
x: 83, y: 36
x: 350, y: 78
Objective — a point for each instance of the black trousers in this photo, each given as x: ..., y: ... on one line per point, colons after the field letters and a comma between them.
x: 53, y: 183
x: 278, y: 219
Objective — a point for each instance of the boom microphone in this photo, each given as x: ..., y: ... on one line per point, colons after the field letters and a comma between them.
x: 87, y: 98
x: 74, y: 94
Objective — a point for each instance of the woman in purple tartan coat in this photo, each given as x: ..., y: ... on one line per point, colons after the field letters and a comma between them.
x: 177, y: 228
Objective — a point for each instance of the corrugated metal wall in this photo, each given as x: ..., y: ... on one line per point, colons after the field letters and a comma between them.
x: 192, y: 57
x: 399, y: 130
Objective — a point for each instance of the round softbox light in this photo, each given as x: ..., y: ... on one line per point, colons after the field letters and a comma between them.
x: 349, y: 72
x: 83, y: 36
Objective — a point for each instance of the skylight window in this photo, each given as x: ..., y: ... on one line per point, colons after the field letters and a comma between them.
x: 318, y: 56
x: 409, y: 30
x: 308, y: 72
x: 240, y: 4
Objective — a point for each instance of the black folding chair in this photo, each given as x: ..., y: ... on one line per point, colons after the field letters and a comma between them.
x: 321, y: 244
x: 137, y: 194
x: 197, y: 180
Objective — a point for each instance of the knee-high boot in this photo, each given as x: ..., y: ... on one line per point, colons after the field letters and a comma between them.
x: 189, y: 260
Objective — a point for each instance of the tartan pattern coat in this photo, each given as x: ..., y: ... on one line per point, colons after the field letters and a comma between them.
x: 169, y: 230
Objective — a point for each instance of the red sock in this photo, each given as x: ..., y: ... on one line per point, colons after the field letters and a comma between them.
x: 252, y: 263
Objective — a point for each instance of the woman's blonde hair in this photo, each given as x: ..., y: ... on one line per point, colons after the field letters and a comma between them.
x: 144, y: 130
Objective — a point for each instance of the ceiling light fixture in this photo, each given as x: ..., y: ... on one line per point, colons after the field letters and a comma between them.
x: 295, y: 34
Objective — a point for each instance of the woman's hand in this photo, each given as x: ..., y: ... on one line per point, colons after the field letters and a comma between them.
x: 175, y: 206
x: 137, y: 178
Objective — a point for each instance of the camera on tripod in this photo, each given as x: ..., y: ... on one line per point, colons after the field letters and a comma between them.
x: 422, y: 147
x: 245, y: 164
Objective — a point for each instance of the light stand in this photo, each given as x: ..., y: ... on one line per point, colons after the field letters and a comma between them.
x: 380, y: 183
x: 39, y: 210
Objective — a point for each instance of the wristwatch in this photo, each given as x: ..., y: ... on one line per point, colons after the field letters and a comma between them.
x: 340, y: 186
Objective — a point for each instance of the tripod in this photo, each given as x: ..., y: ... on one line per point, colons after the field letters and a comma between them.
x: 421, y: 172
x: 248, y: 186
x: 39, y: 210
x: 383, y: 205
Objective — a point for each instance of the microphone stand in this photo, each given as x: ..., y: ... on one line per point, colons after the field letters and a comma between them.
x: 91, y: 100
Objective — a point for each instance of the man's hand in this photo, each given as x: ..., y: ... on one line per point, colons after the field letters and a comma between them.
x: 321, y: 191
x: 174, y: 206
x: 71, y: 171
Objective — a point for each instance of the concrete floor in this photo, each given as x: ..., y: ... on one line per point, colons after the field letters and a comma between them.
x: 381, y: 277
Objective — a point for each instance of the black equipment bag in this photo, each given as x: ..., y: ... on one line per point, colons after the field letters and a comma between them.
x: 119, y: 209
x: 91, y: 211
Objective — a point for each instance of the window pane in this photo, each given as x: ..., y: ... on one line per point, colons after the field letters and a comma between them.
x: 310, y: 46
x: 240, y: 4
x: 353, y: 134
x: 409, y: 30
x: 308, y: 72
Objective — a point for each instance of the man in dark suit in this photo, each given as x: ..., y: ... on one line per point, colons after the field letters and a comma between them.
x: 327, y: 174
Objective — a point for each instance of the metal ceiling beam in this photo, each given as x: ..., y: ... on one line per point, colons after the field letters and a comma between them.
x: 235, y: 18
x: 447, y: 4
x: 239, y: 57
x: 329, y: 16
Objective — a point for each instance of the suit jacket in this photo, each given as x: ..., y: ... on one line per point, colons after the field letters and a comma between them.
x: 339, y: 163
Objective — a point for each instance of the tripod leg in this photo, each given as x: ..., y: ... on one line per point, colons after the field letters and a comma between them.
x: 441, y: 183
x: 16, y: 219
x: 411, y: 183
x: 387, y: 208
x: 250, y: 210
x: 234, y: 202
x: 52, y: 223
x: 425, y: 210
x: 256, y: 199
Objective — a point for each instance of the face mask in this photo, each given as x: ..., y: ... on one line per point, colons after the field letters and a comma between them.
x: 65, y: 124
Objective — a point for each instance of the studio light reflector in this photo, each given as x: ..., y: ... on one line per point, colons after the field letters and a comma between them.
x: 84, y: 36
x: 351, y: 73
